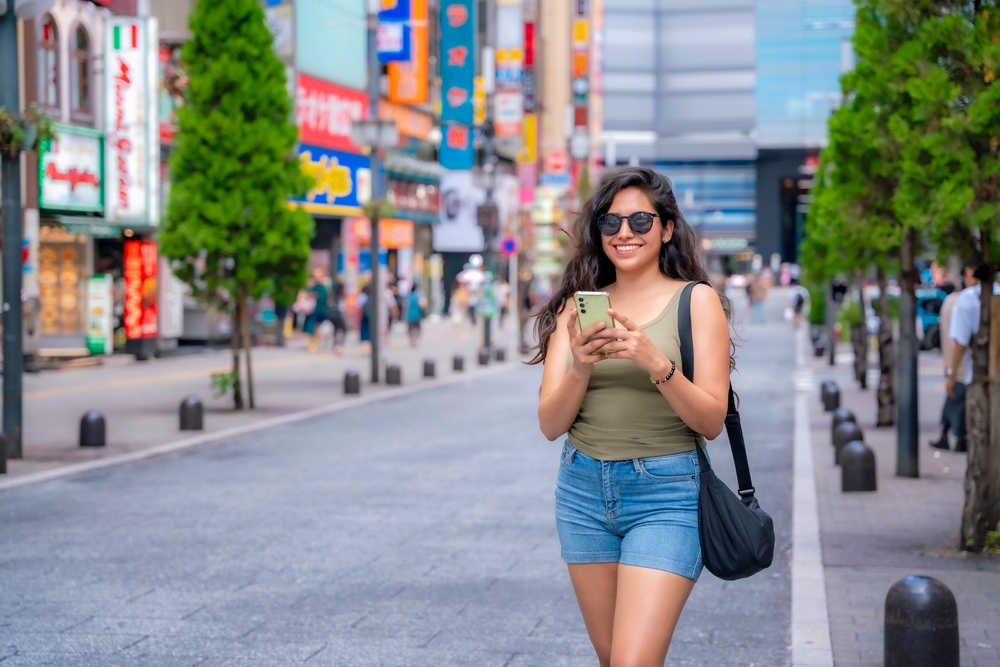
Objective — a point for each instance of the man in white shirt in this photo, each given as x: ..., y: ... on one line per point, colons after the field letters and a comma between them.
x: 963, y: 326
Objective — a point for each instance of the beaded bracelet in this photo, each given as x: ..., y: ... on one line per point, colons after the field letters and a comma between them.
x: 673, y: 367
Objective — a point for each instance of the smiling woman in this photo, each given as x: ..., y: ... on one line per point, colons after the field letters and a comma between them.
x: 627, y: 489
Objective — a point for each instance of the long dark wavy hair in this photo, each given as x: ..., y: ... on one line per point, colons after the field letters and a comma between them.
x: 590, y: 269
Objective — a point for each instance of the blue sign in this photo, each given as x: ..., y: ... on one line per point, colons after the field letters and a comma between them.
x: 456, y: 150
x: 458, y: 55
x: 338, y: 176
x: 394, y: 10
x: 392, y: 40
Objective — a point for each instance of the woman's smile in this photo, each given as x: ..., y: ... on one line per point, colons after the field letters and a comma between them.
x: 626, y: 248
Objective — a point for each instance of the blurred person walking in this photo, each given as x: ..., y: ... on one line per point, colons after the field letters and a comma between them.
x: 337, y: 319
x: 319, y: 288
x: 757, y: 291
x: 628, y: 484
x: 416, y: 306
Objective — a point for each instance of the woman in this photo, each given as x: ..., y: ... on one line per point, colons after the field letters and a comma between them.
x: 627, y: 489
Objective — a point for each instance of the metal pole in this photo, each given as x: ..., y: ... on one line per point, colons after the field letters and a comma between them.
x: 907, y: 426
x: 13, y: 354
x: 375, y: 288
x: 831, y: 316
x: 488, y: 158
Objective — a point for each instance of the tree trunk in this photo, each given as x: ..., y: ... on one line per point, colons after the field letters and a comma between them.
x: 235, y: 338
x: 859, y: 340
x: 886, y: 394
x: 907, y: 400
x: 245, y: 332
x: 976, y: 517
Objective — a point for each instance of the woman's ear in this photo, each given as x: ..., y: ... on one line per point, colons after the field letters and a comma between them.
x: 668, y: 231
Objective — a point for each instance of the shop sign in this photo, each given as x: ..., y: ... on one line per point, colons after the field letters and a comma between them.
x: 509, y: 69
x: 528, y: 90
x: 325, y: 111
x: 392, y: 41
x: 71, y: 170
x: 529, y: 140
x: 100, y: 314
x: 140, y: 289
x: 458, y: 45
x: 170, y: 301
x: 393, y: 233
x: 339, y: 178
x: 131, y: 88
x: 408, y: 80
x: 508, y: 108
x: 409, y: 122
x: 456, y: 151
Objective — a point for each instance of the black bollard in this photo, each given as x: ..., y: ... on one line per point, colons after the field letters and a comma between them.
x: 857, y: 467
x: 843, y: 434
x: 841, y: 415
x: 352, y: 382
x: 393, y: 374
x: 428, y: 368
x: 458, y: 363
x: 819, y: 347
x: 831, y: 400
x: 825, y: 387
x: 92, y: 430
x: 484, y: 356
x: 501, y: 354
x: 921, y: 624
x: 192, y: 414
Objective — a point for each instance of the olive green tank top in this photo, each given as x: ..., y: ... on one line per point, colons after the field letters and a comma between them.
x: 624, y: 415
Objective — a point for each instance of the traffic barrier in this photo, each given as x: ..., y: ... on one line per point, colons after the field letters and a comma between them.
x: 393, y: 374
x: 352, y: 382
x: 830, y: 395
x: 92, y: 430
x: 484, y: 356
x: 192, y: 414
x: 501, y: 354
x: 921, y: 624
x: 843, y: 434
x: 429, y: 370
x: 857, y: 468
x: 458, y: 363
x: 841, y: 415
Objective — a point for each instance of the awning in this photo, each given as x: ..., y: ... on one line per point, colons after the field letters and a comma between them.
x: 27, y: 9
x: 405, y: 166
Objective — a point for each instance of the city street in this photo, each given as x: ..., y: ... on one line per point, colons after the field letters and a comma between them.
x: 417, y: 530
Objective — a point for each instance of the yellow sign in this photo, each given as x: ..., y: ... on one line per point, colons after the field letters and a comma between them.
x: 529, y: 140
x: 581, y: 32
x: 332, y: 179
x: 478, y: 101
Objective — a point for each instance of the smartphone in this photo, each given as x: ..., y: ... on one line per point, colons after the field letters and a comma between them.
x: 592, y: 307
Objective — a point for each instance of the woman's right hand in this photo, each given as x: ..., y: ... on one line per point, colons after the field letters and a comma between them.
x: 585, y: 354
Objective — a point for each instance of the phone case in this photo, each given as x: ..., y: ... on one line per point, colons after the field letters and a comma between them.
x: 592, y: 307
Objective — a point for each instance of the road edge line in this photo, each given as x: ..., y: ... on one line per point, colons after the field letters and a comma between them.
x: 172, y: 447
x: 811, y: 641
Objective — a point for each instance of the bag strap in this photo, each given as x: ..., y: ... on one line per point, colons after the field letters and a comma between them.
x: 733, y: 426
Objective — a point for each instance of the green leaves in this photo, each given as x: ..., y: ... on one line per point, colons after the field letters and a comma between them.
x: 229, y: 228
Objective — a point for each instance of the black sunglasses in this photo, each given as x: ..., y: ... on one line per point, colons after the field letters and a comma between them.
x: 639, y: 222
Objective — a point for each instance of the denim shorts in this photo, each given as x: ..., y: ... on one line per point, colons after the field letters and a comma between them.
x: 640, y: 512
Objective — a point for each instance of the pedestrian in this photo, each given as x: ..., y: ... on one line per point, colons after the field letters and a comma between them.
x: 318, y: 287
x: 798, y: 297
x: 337, y: 318
x: 628, y: 483
x: 365, y: 328
x: 416, y: 305
x: 757, y: 290
x: 958, y: 375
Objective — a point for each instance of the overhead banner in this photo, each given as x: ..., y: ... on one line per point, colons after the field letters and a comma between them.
x: 325, y: 112
x: 71, y: 170
x: 459, y: 230
x: 456, y: 151
x: 340, y: 179
x: 132, y: 139
x: 458, y: 46
x: 408, y: 80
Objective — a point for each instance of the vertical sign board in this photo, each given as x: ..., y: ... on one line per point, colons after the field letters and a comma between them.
x: 140, y: 290
x: 408, y: 80
x: 458, y: 43
x: 132, y: 133
x: 71, y: 170
x: 100, y: 314
x: 456, y: 151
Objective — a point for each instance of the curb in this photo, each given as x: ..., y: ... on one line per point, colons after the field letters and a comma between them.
x: 184, y: 444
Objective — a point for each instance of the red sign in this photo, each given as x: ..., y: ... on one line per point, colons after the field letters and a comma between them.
x: 140, y: 289
x: 556, y: 162
x: 325, y: 112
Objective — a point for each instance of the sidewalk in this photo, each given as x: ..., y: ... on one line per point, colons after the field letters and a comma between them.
x: 909, y: 526
x: 140, y: 400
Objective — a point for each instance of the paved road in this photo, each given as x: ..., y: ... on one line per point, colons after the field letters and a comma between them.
x: 416, y: 531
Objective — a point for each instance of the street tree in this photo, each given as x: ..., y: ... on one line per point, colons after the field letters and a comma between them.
x: 950, y: 186
x: 229, y: 231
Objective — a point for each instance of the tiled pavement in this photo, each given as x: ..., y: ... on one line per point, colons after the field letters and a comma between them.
x: 415, y: 531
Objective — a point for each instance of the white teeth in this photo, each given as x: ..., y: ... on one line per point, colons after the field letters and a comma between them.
x: 627, y: 248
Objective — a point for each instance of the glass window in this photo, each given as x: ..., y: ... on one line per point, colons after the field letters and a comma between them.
x: 48, y: 63
x: 80, y: 72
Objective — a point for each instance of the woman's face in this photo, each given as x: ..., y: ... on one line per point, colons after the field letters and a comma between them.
x: 627, y: 250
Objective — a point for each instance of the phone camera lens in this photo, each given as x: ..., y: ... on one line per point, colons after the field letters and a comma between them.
x: 583, y: 311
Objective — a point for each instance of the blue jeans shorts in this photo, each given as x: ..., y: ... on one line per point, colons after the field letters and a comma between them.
x: 640, y: 512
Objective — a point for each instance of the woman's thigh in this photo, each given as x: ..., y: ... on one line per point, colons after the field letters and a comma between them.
x: 596, y: 587
x: 647, y: 607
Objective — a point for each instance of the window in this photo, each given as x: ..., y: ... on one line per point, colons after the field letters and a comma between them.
x: 80, y: 72
x: 48, y: 63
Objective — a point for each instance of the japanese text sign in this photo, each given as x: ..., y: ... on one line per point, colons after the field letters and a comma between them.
x: 325, y: 111
x: 458, y: 43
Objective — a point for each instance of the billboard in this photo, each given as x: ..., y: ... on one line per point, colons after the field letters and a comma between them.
x: 458, y: 230
x: 132, y: 139
x: 458, y: 45
x: 456, y: 150
x: 71, y: 170
x: 324, y: 113
x: 341, y: 179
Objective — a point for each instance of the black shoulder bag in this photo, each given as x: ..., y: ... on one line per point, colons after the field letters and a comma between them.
x: 737, y: 536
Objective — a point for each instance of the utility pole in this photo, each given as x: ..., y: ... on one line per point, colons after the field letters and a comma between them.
x: 376, y: 293
x: 489, y: 217
x: 10, y: 175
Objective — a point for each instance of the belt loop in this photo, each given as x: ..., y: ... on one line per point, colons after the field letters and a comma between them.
x: 637, y: 464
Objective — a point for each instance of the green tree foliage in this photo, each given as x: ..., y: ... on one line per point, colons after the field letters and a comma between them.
x: 229, y: 231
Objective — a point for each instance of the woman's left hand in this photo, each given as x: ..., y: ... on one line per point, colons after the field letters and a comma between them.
x: 633, y: 344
